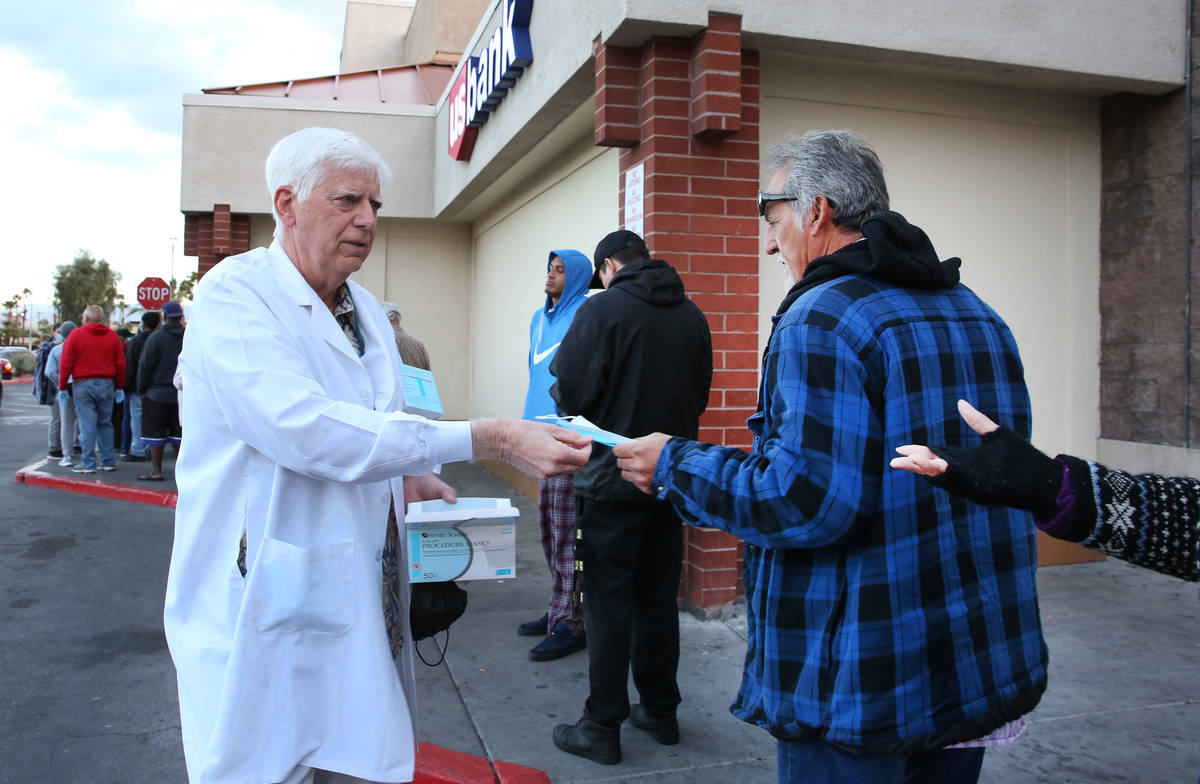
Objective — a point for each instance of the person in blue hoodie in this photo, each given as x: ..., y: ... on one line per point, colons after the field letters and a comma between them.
x: 568, y: 273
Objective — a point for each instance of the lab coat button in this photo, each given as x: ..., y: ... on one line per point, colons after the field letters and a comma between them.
x: 379, y: 555
x: 365, y: 394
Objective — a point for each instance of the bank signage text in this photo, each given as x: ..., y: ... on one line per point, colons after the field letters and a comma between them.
x: 483, y: 81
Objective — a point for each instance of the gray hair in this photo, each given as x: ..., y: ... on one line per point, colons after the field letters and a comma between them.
x: 93, y: 314
x: 838, y: 165
x: 390, y: 310
x: 301, y: 160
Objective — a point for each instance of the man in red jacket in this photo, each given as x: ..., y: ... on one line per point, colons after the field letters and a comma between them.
x: 94, y: 366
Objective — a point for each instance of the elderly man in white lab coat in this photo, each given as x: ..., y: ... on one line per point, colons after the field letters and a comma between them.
x: 296, y: 440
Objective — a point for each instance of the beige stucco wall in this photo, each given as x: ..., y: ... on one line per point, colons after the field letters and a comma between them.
x: 424, y: 267
x: 1139, y: 42
x: 1074, y: 46
x: 226, y: 140
x: 441, y: 26
x: 373, y: 34
x: 1007, y: 180
x: 569, y: 205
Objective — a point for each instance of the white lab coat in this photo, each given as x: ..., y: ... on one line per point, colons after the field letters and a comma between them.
x: 299, y: 442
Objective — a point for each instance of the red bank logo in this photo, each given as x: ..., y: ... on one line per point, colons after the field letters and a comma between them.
x: 484, y: 80
x: 462, y: 138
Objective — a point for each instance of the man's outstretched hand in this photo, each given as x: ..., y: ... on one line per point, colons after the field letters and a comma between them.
x: 637, y: 459
x: 538, y: 449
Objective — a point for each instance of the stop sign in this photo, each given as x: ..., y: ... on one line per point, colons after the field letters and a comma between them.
x: 153, y: 293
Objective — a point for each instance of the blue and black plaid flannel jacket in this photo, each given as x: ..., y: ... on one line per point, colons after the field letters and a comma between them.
x: 884, y: 615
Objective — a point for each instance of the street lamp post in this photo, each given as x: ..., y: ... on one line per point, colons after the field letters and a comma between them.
x: 173, y: 285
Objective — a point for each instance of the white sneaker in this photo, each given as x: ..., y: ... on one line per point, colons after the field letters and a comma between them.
x: 65, y: 462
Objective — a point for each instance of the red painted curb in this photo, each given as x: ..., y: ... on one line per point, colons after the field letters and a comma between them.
x: 438, y: 765
x: 30, y: 475
x: 19, y: 380
x: 511, y: 773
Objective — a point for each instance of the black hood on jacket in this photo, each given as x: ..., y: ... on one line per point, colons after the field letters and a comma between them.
x: 893, y: 250
x: 653, y: 281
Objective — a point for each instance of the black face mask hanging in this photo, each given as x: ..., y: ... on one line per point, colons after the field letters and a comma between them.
x: 432, y: 608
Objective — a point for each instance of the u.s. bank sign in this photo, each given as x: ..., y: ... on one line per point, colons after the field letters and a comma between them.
x: 484, y: 80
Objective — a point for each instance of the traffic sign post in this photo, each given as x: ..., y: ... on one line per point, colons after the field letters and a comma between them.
x: 153, y: 293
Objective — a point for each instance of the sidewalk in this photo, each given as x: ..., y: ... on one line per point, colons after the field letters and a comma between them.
x: 1123, y: 701
x: 490, y: 701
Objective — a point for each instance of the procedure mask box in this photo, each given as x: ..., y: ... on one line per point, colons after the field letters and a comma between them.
x: 474, y: 539
x: 420, y: 392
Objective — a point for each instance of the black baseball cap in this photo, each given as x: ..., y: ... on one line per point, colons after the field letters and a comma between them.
x: 613, y: 243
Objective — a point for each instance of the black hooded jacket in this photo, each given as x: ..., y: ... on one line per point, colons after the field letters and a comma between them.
x: 636, y: 360
x: 892, y: 249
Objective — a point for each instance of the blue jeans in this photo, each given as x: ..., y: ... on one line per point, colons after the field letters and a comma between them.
x: 819, y: 762
x: 94, y: 406
x: 136, y: 447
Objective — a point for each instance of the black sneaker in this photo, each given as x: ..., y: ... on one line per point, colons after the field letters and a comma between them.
x: 54, y: 453
x: 664, y: 730
x: 590, y: 740
x: 558, y: 644
x: 534, y: 628
x: 132, y: 458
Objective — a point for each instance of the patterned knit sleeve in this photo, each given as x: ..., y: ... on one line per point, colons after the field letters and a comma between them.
x: 1146, y: 519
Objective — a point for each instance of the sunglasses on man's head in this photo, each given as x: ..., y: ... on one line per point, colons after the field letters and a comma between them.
x: 766, y: 198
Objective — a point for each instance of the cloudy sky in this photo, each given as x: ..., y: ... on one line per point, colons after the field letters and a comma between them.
x: 93, y: 109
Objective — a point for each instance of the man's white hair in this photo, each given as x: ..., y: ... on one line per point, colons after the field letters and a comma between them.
x: 93, y: 314
x: 301, y: 160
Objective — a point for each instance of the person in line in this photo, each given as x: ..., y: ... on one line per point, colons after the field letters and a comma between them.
x: 412, y: 351
x: 1149, y: 520
x: 159, y: 423
x: 94, y: 361
x: 68, y: 435
x: 637, y: 359
x: 138, y: 451
x: 297, y: 442
x: 887, y: 626
x: 120, y: 415
x: 47, y: 395
x: 568, y: 273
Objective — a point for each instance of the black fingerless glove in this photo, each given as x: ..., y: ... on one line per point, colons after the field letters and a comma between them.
x: 1004, y: 469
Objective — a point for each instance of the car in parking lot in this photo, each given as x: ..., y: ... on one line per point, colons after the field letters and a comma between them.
x: 23, y: 360
x: 6, y: 368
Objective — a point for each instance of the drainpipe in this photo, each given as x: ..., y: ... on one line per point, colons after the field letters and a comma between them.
x: 1187, y: 176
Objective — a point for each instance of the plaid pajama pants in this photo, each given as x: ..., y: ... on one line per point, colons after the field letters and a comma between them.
x: 556, y: 515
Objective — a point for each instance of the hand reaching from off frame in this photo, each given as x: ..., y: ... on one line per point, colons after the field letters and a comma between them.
x: 1003, y: 469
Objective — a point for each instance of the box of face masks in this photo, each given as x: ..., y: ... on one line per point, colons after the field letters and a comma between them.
x: 420, y: 393
x: 474, y: 539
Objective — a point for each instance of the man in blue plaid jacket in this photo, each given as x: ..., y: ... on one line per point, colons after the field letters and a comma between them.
x: 888, y: 622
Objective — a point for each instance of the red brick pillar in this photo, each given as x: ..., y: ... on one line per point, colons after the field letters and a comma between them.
x: 213, y: 236
x: 696, y: 134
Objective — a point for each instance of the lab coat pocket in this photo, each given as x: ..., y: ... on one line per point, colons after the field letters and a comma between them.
x: 304, y: 589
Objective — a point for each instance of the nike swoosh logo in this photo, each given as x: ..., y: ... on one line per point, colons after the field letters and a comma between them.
x: 538, y: 356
